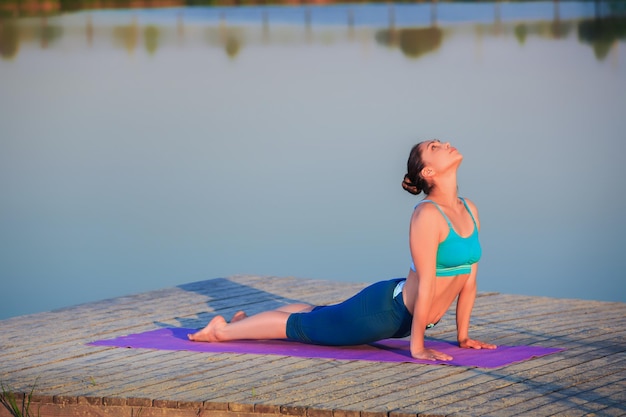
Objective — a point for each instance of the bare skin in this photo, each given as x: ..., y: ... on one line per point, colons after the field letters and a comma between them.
x: 210, y: 331
x: 426, y: 296
x: 266, y: 325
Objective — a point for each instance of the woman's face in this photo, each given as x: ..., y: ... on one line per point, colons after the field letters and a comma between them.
x: 438, y: 157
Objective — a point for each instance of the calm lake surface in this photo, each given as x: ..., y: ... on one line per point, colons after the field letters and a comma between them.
x: 142, y: 149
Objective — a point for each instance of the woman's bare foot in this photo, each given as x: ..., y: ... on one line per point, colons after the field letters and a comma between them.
x: 240, y: 315
x: 209, y: 333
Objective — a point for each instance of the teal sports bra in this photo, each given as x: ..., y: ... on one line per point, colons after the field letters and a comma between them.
x: 456, y: 254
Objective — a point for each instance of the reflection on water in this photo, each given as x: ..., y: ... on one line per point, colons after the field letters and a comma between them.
x: 12, y: 33
x: 556, y: 30
x: 413, y: 42
x: 127, y: 36
x: 601, y: 32
x: 145, y: 148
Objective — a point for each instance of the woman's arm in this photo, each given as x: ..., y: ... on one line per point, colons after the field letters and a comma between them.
x: 464, y: 307
x: 465, y: 303
x: 424, y: 236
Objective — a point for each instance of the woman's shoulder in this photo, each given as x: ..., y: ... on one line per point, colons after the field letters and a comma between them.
x: 425, y: 205
x: 470, y: 204
x: 428, y: 223
x: 472, y: 209
x: 426, y: 210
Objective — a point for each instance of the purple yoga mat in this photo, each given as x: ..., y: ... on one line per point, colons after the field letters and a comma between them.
x: 389, y: 350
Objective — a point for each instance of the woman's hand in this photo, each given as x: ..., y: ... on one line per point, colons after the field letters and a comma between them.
x: 431, y: 355
x: 475, y: 344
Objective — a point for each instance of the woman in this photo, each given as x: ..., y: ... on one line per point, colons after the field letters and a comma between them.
x: 443, y: 238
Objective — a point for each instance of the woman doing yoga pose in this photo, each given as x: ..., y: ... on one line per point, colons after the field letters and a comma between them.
x: 443, y: 238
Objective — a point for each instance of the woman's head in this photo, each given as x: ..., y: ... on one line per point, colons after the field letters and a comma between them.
x: 413, y: 181
x: 425, y: 160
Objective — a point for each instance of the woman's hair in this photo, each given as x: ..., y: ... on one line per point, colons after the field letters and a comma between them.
x: 413, y: 181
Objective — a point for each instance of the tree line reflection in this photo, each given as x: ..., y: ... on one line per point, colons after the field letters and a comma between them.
x: 601, y: 33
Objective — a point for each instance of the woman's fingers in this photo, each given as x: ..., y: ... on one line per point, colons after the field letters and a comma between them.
x: 443, y: 357
x: 488, y: 346
x: 476, y: 344
x: 432, y: 355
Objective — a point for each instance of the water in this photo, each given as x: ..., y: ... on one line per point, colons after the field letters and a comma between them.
x: 141, y: 149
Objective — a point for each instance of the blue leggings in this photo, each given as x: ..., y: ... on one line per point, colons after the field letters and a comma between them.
x: 372, y: 314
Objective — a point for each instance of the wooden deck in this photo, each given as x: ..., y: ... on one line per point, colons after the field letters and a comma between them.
x: 48, y: 351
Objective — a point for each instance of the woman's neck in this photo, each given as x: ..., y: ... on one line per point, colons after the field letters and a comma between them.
x: 445, y: 191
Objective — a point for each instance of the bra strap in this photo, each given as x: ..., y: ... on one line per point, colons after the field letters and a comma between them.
x: 468, y: 210
x: 444, y: 214
x: 441, y: 211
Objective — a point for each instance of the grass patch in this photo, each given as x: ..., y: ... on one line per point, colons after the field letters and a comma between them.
x: 18, y: 407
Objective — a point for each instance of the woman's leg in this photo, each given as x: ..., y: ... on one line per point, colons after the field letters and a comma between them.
x: 266, y: 325
x: 289, y: 308
x: 368, y: 316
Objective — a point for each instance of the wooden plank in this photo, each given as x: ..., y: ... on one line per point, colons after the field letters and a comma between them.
x: 493, y: 388
x: 513, y: 398
x: 49, y: 350
x: 578, y: 399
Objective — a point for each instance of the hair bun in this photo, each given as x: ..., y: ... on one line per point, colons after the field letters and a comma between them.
x: 408, y: 185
